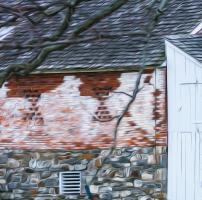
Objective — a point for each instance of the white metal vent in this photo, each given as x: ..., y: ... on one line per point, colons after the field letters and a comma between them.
x: 70, y: 182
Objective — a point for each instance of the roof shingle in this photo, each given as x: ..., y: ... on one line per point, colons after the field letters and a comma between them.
x: 191, y: 44
x: 180, y: 17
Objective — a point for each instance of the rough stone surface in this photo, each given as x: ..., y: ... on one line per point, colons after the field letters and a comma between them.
x: 133, y: 173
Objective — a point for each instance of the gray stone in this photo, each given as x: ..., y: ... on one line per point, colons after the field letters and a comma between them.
x: 164, y: 160
x: 13, y: 185
x: 45, y: 174
x: 115, y: 194
x: 17, y: 178
x: 34, y: 178
x: 105, y: 196
x: 3, y: 159
x: 147, y: 176
x: 151, y: 159
x: 2, y: 172
x: 125, y: 193
x: 80, y: 167
x: 161, y: 174
x: 145, y: 198
x: 105, y: 189
x: 138, y: 183
x: 7, y: 196
x: 136, y: 157
x: 2, y: 181
x: 115, y: 178
x: 12, y: 163
x: 3, y: 188
x: 27, y: 186
x: 94, y: 189
x: 53, y: 182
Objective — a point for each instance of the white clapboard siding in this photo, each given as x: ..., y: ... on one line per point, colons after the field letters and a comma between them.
x: 184, y: 125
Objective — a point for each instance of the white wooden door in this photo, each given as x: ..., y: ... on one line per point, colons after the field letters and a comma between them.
x: 185, y: 149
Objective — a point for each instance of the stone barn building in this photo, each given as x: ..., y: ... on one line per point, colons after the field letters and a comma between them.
x: 57, y: 124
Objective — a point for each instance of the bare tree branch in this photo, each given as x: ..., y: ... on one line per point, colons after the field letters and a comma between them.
x: 116, y: 4
x: 26, y: 68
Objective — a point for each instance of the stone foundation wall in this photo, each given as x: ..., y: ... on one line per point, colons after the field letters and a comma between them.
x: 126, y: 174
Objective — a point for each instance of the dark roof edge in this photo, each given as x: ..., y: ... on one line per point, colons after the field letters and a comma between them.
x: 128, y: 69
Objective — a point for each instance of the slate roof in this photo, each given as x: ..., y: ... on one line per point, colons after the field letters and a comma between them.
x: 180, y: 17
x: 191, y: 44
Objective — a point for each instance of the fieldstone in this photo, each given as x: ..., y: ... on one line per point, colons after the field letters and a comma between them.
x: 13, y: 185
x: 124, y: 160
x: 34, y: 178
x: 161, y: 174
x: 164, y: 160
x: 94, y: 189
x: 105, y: 153
x: 115, y: 194
x: 147, y: 176
x: 150, y: 185
x: 145, y: 198
x: 115, y: 184
x: 71, y: 161
x: 115, y: 159
x: 80, y: 167
x: 40, y: 174
x: 151, y: 160
x: 43, y: 164
x: 126, y: 171
x: 3, y: 159
x: 98, y: 162
x: 35, y: 155
x: 45, y: 174
x: 136, y: 158
x: 138, y: 183
x: 12, y: 163
x: 2, y: 181
x: 17, y: 177
x: 119, y: 179
x: 160, y: 150
x: 105, y: 189
x: 53, y: 182
x: 110, y: 172
x: 18, y: 191
x: 87, y: 156
x: 43, y: 190
x: 84, y: 162
x: 119, y: 174
x: 125, y: 193
x: 67, y: 167
x: 55, y: 168
x: 28, y: 186
x: 89, y: 179
x: 105, y: 196
x: 147, y: 150
x: 133, y: 149
x: 128, y: 184
x: 2, y: 172
x: 7, y: 196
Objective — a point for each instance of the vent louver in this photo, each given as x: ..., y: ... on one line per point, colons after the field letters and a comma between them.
x: 70, y: 183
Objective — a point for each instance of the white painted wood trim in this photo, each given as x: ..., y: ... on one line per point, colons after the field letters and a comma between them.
x: 169, y: 44
x: 197, y: 29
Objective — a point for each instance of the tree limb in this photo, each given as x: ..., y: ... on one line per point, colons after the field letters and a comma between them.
x: 116, y: 4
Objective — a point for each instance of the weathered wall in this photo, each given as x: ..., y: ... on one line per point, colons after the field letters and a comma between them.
x: 77, y: 111
x: 133, y: 173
